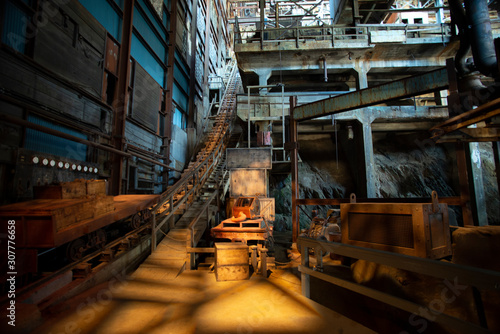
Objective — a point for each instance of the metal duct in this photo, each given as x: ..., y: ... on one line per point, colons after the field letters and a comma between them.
x: 481, y: 38
x: 458, y: 14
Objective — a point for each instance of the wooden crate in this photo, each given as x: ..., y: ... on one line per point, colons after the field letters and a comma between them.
x: 416, y: 229
x: 231, y: 261
x: 103, y: 205
x: 96, y: 187
x: 65, y: 190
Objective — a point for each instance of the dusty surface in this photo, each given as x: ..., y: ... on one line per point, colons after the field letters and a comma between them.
x: 195, y: 302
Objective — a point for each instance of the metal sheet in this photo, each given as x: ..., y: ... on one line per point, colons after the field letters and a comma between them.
x: 248, y: 182
x: 249, y: 158
x: 412, y: 86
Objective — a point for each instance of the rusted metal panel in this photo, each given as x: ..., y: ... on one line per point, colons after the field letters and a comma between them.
x: 249, y: 158
x: 111, y: 56
x: 412, y: 86
x: 248, y: 182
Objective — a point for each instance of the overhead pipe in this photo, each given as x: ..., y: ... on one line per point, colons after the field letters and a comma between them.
x: 57, y: 133
x: 458, y: 16
x: 483, y: 49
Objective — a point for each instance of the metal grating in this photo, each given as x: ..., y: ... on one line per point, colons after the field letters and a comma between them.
x: 386, y: 229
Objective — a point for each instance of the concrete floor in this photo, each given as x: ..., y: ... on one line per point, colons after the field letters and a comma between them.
x: 194, y: 302
x: 159, y: 297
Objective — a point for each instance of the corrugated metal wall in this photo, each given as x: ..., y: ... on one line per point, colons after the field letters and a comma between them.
x: 14, y: 27
x: 43, y: 142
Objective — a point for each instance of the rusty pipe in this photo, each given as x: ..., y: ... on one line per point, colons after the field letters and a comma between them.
x: 458, y: 15
x: 22, y: 122
x: 481, y: 37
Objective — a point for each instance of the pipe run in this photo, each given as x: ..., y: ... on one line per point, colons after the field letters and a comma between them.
x: 22, y: 122
x: 481, y: 37
x: 458, y: 15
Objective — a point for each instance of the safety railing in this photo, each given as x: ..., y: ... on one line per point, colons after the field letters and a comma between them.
x: 368, y: 33
x: 451, y: 273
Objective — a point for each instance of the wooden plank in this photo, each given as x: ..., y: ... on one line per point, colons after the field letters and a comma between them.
x: 62, y: 48
x: 96, y: 187
x: 249, y: 158
x: 146, y: 99
x: 65, y: 190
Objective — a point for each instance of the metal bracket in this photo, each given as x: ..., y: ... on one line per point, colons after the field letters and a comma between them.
x: 353, y: 198
x: 435, y: 201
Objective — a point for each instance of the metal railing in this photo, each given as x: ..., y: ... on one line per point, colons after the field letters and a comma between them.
x: 452, y: 273
x: 370, y: 33
x: 188, y: 188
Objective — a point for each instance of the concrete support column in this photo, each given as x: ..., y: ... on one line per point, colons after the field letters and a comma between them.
x: 362, y: 69
x: 440, y: 12
x: 264, y: 75
x: 478, y: 185
x: 366, y: 121
x: 496, y: 155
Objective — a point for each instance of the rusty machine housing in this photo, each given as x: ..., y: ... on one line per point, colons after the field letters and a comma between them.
x: 252, y: 211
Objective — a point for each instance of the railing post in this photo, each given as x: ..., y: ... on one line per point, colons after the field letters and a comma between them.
x: 305, y: 278
x: 153, y: 234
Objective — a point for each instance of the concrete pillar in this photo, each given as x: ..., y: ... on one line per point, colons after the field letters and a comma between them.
x: 366, y: 120
x: 264, y: 75
x: 496, y: 155
x: 362, y: 69
x: 478, y: 184
x: 440, y: 12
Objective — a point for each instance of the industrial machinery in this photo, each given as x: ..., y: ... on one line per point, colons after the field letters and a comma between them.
x: 326, y: 229
x: 252, y: 211
x: 246, y: 224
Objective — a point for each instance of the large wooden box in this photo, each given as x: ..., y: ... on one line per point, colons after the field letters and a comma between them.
x: 65, y: 190
x: 103, y: 205
x: 96, y: 187
x: 41, y: 220
x: 231, y: 261
x: 416, y: 229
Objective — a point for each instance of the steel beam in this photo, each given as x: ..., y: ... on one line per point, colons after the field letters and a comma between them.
x: 120, y: 104
x: 192, y: 71
x: 412, y: 86
x: 294, y: 161
x: 207, y: 50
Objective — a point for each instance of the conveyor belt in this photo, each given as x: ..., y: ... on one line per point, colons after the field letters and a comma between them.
x: 203, y: 180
